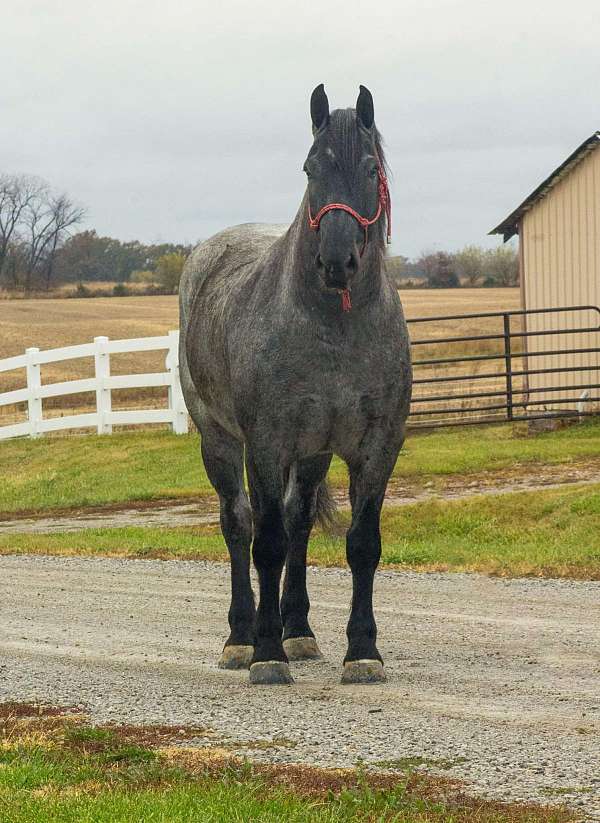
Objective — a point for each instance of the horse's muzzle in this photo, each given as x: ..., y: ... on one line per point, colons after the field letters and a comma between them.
x: 337, y: 273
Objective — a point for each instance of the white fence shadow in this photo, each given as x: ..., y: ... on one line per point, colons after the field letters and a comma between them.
x: 102, y: 384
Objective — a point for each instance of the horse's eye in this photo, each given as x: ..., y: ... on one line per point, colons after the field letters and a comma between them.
x: 373, y: 172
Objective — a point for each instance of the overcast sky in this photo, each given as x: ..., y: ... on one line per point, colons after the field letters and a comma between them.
x: 171, y: 120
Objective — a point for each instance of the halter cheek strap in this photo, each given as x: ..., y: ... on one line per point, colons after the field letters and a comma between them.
x: 384, y: 204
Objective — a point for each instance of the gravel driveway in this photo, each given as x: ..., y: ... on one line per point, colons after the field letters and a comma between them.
x: 496, y: 681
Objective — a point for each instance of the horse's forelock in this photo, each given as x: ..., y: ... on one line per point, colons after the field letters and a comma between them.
x: 344, y: 137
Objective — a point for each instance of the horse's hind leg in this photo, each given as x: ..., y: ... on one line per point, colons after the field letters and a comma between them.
x: 223, y: 457
x: 269, y: 551
x: 300, y: 514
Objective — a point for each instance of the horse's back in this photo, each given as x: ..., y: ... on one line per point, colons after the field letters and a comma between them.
x: 232, y: 252
x: 216, y: 266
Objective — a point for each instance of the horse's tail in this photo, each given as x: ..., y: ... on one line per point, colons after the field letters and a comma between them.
x: 326, y: 507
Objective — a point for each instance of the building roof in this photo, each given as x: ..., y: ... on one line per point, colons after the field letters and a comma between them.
x: 510, y: 225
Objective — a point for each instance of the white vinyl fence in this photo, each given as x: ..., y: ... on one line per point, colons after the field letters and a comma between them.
x: 102, y: 384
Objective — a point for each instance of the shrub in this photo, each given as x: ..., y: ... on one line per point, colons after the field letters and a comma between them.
x: 143, y: 276
x: 441, y: 274
x: 168, y: 270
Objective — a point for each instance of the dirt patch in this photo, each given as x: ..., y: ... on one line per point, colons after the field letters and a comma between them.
x: 521, y: 477
x: 203, y: 505
x: 168, y: 513
x: 12, y: 710
x: 111, y: 746
x: 318, y: 783
x: 108, y: 736
x: 156, y: 735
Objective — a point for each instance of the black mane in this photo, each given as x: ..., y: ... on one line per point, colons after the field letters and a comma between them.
x: 344, y: 135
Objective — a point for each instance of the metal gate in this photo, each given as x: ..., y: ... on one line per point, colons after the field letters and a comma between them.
x: 513, y: 365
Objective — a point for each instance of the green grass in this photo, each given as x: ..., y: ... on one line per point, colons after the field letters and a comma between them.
x: 553, y: 533
x: 77, y: 472
x: 475, y: 449
x: 66, y: 771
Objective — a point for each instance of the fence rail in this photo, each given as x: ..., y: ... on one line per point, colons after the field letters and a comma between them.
x: 514, y: 382
x: 512, y: 392
x: 103, y: 383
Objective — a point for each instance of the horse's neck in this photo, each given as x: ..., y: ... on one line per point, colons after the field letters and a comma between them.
x: 299, y: 269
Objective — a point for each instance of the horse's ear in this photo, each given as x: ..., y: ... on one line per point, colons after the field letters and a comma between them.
x: 365, y: 111
x: 319, y: 108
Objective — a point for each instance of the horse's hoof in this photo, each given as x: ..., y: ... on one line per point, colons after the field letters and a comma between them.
x: 270, y: 672
x: 236, y: 657
x: 302, y: 648
x: 363, y: 671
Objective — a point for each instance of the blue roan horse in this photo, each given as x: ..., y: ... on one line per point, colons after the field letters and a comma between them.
x: 294, y: 348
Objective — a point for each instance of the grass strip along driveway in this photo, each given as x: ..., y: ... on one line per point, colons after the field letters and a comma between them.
x: 81, y: 471
x: 550, y: 533
x: 57, y: 767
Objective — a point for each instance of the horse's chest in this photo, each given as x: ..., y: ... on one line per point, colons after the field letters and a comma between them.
x: 339, y: 409
x: 316, y: 394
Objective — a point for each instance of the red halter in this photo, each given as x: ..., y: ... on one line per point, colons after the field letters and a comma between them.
x: 384, y: 203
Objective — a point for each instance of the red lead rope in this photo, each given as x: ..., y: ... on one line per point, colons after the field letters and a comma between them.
x: 384, y: 204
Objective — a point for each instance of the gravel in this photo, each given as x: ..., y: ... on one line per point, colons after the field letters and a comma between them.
x: 496, y: 682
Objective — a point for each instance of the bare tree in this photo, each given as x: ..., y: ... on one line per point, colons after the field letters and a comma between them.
x: 427, y: 263
x: 470, y: 264
x: 17, y: 194
x: 61, y: 214
x: 14, y: 263
x: 439, y: 270
x: 33, y: 223
x: 36, y: 223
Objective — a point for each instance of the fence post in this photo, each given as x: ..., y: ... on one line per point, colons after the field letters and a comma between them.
x: 508, y: 367
x: 103, y: 393
x: 176, y: 401
x: 34, y: 385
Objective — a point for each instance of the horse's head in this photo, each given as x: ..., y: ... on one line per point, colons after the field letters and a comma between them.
x: 347, y: 187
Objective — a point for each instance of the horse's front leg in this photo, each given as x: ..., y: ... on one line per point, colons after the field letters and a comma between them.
x: 301, y: 510
x: 368, y: 481
x: 269, y: 550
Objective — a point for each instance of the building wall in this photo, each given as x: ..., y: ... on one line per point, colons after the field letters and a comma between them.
x: 560, y: 246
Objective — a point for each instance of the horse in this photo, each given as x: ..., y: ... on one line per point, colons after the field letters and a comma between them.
x: 293, y: 348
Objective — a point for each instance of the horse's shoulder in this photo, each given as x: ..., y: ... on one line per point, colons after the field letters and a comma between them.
x: 234, y: 249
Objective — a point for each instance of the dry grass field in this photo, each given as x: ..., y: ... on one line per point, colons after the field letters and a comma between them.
x: 62, y: 322
x: 98, y: 287
x: 432, y: 303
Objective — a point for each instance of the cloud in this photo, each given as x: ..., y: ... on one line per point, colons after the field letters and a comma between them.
x: 173, y: 120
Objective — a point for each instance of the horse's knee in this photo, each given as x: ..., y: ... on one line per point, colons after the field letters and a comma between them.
x: 269, y: 550
x: 363, y: 541
x: 236, y: 518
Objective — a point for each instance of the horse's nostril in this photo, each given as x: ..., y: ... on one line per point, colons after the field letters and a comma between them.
x: 319, y: 261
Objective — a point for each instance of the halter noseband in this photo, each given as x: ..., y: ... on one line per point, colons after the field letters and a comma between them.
x: 384, y: 203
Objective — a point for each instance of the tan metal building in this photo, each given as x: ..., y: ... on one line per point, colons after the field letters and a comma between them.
x: 559, y: 253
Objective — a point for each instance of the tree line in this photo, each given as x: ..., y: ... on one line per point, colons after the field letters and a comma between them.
x: 472, y: 266
x: 86, y: 257
x: 40, y: 249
